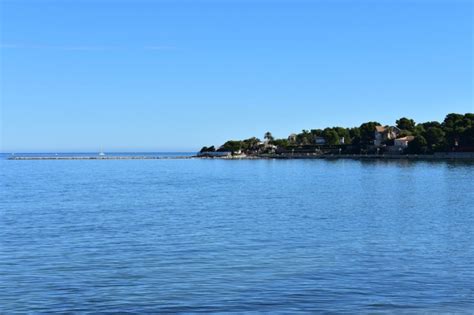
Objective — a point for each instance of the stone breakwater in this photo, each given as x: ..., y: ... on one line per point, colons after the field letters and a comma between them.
x: 99, y: 157
x: 437, y: 156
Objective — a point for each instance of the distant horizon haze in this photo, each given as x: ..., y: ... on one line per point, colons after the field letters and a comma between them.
x: 173, y: 76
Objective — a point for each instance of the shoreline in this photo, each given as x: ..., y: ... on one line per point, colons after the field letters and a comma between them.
x: 450, y: 156
x: 469, y: 156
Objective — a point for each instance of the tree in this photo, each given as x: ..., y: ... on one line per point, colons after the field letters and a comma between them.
x: 453, y: 126
x: 268, y: 136
x: 250, y: 144
x: 231, y: 145
x: 343, y: 133
x: 304, y: 137
x: 208, y: 149
x: 367, y: 132
x: 404, y: 133
x: 434, y: 137
x: 430, y: 124
x: 405, y: 124
x: 316, y: 133
x: 452, y: 120
x: 281, y: 143
x: 468, y: 137
x: 418, y: 145
x: 354, y: 134
x: 331, y: 136
x: 419, y: 130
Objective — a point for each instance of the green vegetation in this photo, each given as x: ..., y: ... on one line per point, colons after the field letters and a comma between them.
x: 418, y: 145
x: 405, y: 124
x: 250, y: 144
x: 367, y: 133
x: 208, y: 149
x: 454, y: 133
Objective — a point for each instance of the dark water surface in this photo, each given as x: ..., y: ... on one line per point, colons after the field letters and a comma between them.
x: 236, y: 236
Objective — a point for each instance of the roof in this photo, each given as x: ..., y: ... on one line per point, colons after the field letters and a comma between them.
x: 407, y: 138
x: 395, y: 128
x: 379, y: 128
x: 383, y: 129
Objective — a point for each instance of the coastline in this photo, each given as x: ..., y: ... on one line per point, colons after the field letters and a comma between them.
x: 469, y: 156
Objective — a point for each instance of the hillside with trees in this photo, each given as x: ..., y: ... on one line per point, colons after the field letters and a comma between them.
x: 454, y: 133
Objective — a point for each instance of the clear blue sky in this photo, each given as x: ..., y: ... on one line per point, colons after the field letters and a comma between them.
x: 176, y: 75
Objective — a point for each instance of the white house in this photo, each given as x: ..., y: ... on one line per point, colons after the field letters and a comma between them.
x: 383, y: 133
x: 402, y: 142
x: 292, y: 137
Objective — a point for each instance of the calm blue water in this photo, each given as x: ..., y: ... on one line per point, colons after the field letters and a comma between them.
x: 234, y: 236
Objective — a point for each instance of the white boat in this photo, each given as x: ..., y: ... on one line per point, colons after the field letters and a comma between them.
x: 101, y: 153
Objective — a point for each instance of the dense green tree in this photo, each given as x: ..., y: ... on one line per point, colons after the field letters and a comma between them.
x: 467, y: 135
x: 430, y: 124
x: 405, y: 124
x: 367, y: 132
x: 453, y: 126
x: 304, y: 138
x: 250, y: 144
x: 419, y: 130
x: 331, y: 136
x: 404, y: 133
x: 316, y: 133
x: 452, y: 120
x: 418, y: 145
x: 231, y: 145
x: 434, y: 137
x: 208, y: 149
x: 354, y: 134
x: 283, y: 143
x: 343, y: 133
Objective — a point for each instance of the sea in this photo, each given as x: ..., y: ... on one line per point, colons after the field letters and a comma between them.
x: 236, y: 236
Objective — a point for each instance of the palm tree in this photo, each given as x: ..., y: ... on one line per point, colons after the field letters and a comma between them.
x: 268, y: 136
